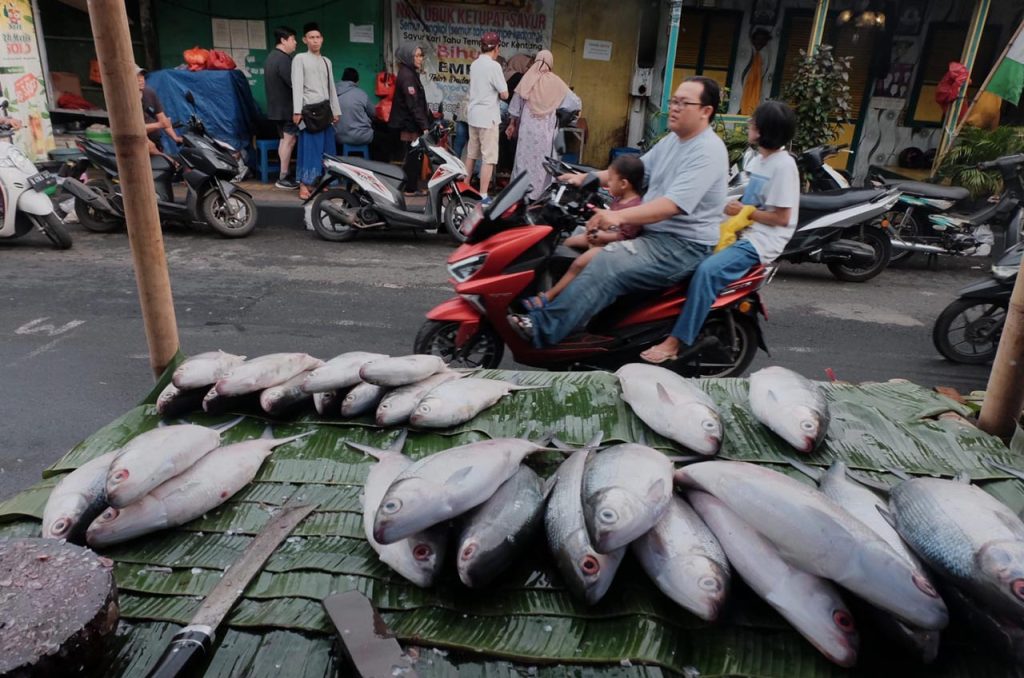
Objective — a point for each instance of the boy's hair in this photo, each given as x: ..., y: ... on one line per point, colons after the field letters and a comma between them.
x: 712, y: 94
x: 776, y: 124
x: 350, y: 75
x: 630, y: 168
x: 311, y: 26
x: 282, y: 33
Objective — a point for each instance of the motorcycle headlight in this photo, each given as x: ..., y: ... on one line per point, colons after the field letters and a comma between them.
x: 1004, y: 272
x: 463, y: 269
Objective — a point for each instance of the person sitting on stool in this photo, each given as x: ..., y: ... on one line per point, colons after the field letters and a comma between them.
x: 354, y: 127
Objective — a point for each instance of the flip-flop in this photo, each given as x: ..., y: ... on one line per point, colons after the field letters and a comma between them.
x: 522, y: 325
x: 662, y: 357
x: 537, y: 302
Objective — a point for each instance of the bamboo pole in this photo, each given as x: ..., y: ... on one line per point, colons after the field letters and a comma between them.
x: 818, y: 26
x: 1004, y: 397
x: 124, y: 104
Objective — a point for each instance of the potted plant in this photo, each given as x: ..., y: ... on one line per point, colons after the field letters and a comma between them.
x: 820, y: 96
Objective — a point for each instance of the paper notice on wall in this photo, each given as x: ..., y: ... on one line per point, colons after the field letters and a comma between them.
x: 221, y: 33
x: 257, y: 34
x: 597, y: 50
x: 239, y: 33
x: 21, y: 79
x: 360, y: 33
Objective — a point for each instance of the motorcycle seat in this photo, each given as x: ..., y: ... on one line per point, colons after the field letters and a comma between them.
x: 383, y: 168
x: 974, y: 218
x: 830, y: 201
x: 926, y: 190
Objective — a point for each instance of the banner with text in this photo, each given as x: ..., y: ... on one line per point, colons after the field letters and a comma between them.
x: 21, y: 78
x: 450, y: 33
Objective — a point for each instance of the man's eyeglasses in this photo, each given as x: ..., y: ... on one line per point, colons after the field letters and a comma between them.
x: 675, y: 102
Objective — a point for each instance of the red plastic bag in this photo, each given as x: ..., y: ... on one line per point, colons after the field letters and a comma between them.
x: 196, y: 58
x: 385, y: 85
x: 383, y: 110
x: 221, y: 61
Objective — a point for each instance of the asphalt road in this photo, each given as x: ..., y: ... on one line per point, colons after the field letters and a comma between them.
x: 73, y: 352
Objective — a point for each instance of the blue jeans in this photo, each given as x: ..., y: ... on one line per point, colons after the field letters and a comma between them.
x: 660, y: 260
x: 712, y: 276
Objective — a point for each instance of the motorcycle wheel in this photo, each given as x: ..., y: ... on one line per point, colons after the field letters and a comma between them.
x: 879, y: 241
x: 455, y: 211
x: 95, y: 221
x: 904, y: 227
x: 214, y: 210
x: 325, y: 225
x: 437, y: 337
x: 968, y: 331
x: 54, y: 229
x: 736, y: 350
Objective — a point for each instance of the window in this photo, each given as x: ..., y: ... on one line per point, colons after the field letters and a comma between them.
x: 707, y: 44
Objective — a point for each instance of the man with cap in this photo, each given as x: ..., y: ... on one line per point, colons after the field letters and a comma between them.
x: 154, y: 116
x: 486, y: 84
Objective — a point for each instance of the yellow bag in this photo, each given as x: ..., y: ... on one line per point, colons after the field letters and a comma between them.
x: 733, y: 225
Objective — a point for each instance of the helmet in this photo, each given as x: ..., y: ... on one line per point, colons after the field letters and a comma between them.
x: 489, y: 41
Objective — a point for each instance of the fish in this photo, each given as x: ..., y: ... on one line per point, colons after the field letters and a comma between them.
x: 401, y: 370
x: 814, y: 533
x: 672, y: 406
x: 966, y: 536
x: 498, y: 531
x: 341, y: 371
x: 685, y: 561
x: 398, y: 405
x: 152, y: 457
x: 174, y: 402
x: 362, y: 399
x: 626, y: 490
x: 327, y: 403
x: 587, y: 573
x: 205, y: 369
x: 791, y: 406
x: 281, y: 398
x: 447, y: 484
x: 459, y: 401
x: 77, y: 499
x: 265, y: 371
x: 418, y: 557
x: 215, y: 403
x: 210, y: 482
x: 812, y: 604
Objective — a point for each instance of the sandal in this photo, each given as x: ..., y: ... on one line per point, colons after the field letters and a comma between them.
x: 656, y: 356
x: 537, y: 302
x: 522, y: 325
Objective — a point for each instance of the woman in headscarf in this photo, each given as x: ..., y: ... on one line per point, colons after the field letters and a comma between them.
x: 539, y: 94
x: 515, y: 69
x: 409, y: 114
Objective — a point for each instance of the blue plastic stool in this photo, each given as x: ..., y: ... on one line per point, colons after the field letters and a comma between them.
x: 349, y: 149
x: 265, y: 146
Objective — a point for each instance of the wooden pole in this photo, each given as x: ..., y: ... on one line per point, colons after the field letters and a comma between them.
x: 124, y: 104
x: 818, y: 26
x: 1004, y: 397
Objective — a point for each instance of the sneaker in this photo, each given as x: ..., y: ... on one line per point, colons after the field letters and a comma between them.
x: 485, y: 201
x: 287, y: 183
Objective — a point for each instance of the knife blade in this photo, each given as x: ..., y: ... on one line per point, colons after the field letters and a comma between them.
x: 190, y: 646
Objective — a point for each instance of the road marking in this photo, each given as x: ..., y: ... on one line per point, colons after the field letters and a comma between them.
x: 49, y: 329
x: 867, y: 314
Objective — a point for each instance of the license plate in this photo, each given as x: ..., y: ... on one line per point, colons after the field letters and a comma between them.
x: 42, y: 181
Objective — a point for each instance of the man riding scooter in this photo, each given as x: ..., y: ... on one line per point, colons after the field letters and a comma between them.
x: 687, y: 175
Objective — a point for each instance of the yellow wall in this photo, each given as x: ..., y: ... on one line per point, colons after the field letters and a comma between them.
x: 602, y: 85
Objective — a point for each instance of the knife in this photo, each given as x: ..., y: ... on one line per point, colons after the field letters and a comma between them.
x: 190, y: 647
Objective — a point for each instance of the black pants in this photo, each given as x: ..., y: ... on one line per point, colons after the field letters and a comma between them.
x: 412, y: 167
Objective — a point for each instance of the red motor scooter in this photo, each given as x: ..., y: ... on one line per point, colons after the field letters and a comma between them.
x: 514, y: 249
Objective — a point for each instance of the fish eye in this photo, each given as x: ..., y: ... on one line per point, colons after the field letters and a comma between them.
x: 607, y: 515
x: 422, y: 552
x: 391, y: 506
x: 110, y: 514
x: 590, y: 565
x: 423, y: 408
x: 807, y: 425
x: 122, y: 474
x: 1017, y: 586
x: 710, y: 584
x: 60, y: 526
x: 710, y: 425
x: 468, y: 552
x: 844, y: 620
x: 921, y: 582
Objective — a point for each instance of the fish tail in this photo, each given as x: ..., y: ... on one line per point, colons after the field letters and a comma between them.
x: 808, y: 470
x: 374, y: 452
x: 228, y: 425
x: 281, y: 441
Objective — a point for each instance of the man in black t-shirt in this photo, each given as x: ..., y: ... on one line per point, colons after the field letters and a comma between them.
x: 154, y: 116
x: 277, y: 78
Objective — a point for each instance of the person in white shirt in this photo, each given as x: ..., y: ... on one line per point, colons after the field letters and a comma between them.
x: 486, y: 85
x: 313, y: 85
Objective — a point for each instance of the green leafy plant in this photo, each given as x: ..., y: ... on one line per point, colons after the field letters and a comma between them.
x: 975, y: 145
x: 820, y: 95
x: 736, y: 143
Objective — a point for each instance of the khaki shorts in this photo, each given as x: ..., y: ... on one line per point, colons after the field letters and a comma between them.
x: 483, y: 143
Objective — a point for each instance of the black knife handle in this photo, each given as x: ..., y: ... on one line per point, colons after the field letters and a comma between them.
x: 187, y: 651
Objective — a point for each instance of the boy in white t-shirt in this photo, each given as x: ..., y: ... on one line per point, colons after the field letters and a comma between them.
x: 486, y: 86
x: 774, y: 188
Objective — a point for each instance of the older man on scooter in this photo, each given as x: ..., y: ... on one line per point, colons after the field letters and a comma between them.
x: 687, y: 173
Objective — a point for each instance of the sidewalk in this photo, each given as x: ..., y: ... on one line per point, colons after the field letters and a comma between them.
x: 282, y: 207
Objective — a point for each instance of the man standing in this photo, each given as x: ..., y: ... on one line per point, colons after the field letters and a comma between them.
x: 277, y: 78
x: 313, y: 86
x: 486, y: 84
x: 153, y: 115
x: 354, y: 128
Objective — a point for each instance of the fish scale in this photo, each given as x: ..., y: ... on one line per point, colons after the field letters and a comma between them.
x: 937, y: 538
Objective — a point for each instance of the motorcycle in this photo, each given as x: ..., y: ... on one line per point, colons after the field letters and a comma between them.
x: 968, y: 330
x: 371, y: 196
x: 211, y: 167
x: 24, y: 204
x: 513, y: 249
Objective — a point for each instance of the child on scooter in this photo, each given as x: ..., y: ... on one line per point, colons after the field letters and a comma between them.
x: 625, y: 179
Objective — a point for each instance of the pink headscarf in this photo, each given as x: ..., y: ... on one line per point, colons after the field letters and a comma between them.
x: 540, y: 87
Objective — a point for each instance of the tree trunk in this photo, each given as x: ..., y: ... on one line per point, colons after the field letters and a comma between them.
x: 1004, y: 398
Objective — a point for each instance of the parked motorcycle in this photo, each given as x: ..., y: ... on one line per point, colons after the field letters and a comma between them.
x: 211, y: 167
x: 514, y: 249
x: 968, y: 330
x: 24, y: 204
x: 371, y: 194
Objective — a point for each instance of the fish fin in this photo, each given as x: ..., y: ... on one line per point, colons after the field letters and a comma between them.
x: 887, y: 516
x: 228, y: 425
x: 545, y: 438
x: 399, y: 442
x: 656, y: 490
x: 664, y: 395
x: 1006, y: 468
x: 868, y: 481
x: 281, y: 441
x: 374, y: 452
x: 898, y: 472
x: 641, y: 438
x: 268, y: 432
x: 458, y: 476
x: 516, y: 387
x: 962, y: 477
x: 685, y: 458
x: 808, y: 470
x: 594, y: 441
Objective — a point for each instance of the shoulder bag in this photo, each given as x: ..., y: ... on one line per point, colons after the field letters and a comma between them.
x: 319, y: 116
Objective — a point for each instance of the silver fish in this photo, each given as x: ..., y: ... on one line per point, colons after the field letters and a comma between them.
x: 587, y: 573
x: 265, y: 371
x: 278, y: 399
x: 811, y: 604
x: 206, y: 485
x: 362, y: 399
x: 77, y: 499
x: 497, y: 532
x: 459, y: 401
x: 215, y: 403
x: 341, y: 371
x: 672, y: 406
x: 326, y: 403
x: 204, y: 369
x: 150, y: 458
x: 967, y: 536
x: 814, y: 533
x: 683, y: 558
x: 174, y: 402
x: 626, y: 490
x: 447, y: 484
x: 419, y: 557
x: 401, y: 370
x: 791, y: 406
x: 398, y: 405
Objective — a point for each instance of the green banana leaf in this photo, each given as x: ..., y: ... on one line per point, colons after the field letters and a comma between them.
x: 526, y: 623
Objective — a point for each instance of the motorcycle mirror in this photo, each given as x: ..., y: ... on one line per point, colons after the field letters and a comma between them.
x: 591, y: 183
x: 4, y: 103
x: 189, y: 98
